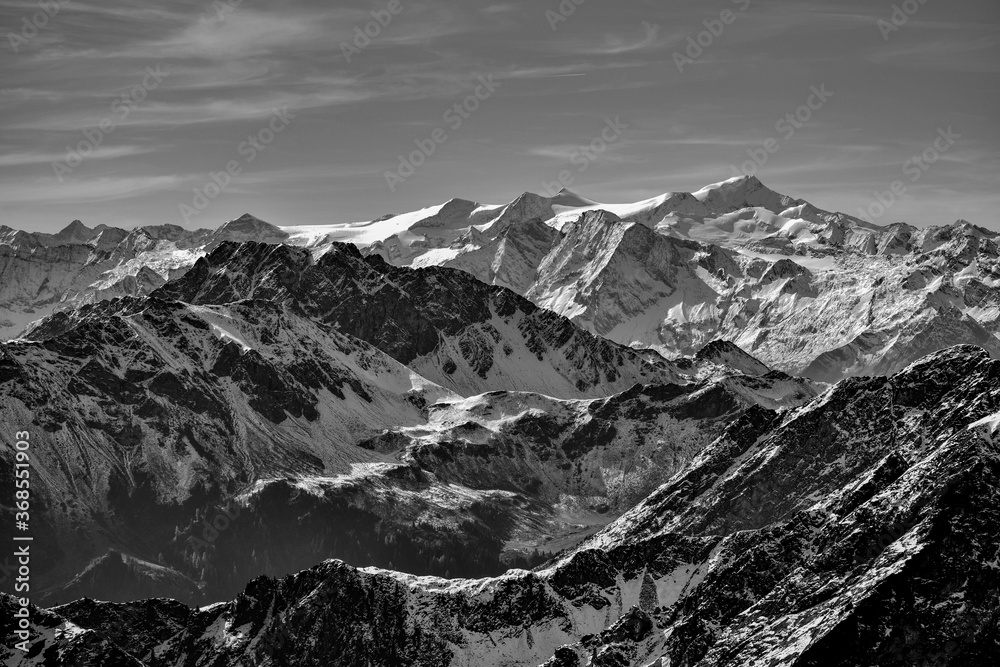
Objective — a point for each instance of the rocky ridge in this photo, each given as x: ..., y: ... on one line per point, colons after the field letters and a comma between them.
x: 856, y: 529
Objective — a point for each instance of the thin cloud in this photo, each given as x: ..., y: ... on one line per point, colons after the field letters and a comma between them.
x: 243, y: 33
x: 103, y: 189
x: 99, y: 153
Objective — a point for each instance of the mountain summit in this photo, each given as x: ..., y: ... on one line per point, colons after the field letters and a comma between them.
x: 743, y: 192
x: 249, y: 228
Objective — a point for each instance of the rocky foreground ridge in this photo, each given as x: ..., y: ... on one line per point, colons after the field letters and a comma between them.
x: 857, y: 529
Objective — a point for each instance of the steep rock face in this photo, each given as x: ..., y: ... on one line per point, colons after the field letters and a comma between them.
x: 511, y: 259
x: 823, y: 316
x: 830, y: 316
x: 146, y: 414
x: 866, y: 299
x: 622, y: 279
x: 858, y: 317
x: 444, y: 324
x: 857, y: 529
x: 854, y: 555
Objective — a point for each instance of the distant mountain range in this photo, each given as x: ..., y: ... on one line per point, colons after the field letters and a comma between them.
x: 711, y: 428
x: 820, y: 294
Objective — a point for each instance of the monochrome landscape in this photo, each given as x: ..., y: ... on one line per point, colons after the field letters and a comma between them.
x: 488, y: 333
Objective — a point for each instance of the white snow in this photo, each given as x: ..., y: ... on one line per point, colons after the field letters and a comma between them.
x: 359, y: 233
x: 990, y: 425
x: 226, y: 336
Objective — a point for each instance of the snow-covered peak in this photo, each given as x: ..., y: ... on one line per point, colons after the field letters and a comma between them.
x: 743, y: 192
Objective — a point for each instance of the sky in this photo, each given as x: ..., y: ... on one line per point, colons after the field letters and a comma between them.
x: 315, y: 112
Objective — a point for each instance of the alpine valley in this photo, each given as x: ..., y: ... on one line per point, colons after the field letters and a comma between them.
x: 713, y: 428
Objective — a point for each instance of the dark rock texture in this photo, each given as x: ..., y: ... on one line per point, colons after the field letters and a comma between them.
x: 859, y: 529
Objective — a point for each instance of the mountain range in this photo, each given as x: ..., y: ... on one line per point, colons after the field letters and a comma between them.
x: 712, y: 428
x: 809, y: 292
x: 858, y: 528
x: 342, y: 396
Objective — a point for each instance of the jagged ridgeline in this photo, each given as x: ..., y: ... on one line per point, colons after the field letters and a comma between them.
x: 859, y: 528
x: 809, y: 292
